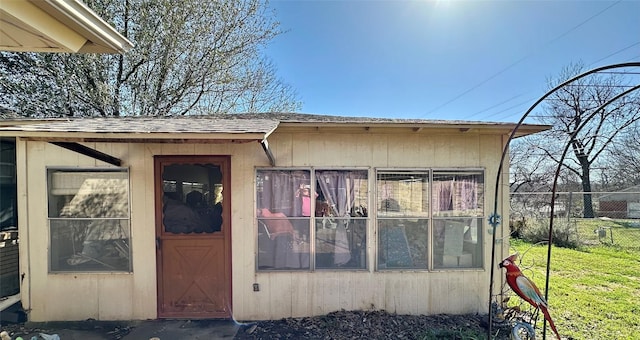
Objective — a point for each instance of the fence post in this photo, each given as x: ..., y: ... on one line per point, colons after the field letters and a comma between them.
x: 569, y: 206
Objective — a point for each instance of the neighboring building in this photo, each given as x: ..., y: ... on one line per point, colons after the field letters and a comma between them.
x: 40, y: 26
x: 622, y: 204
x: 256, y: 216
x: 56, y: 26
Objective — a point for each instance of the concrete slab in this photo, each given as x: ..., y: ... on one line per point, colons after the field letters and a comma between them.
x: 183, y: 329
x: 133, y: 330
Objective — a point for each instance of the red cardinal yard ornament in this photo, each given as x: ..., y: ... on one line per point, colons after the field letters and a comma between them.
x: 526, y: 289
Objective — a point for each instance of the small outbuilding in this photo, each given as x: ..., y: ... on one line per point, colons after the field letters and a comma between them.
x: 622, y: 204
x: 256, y: 216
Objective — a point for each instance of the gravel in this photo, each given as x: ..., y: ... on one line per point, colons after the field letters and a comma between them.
x: 368, y: 325
x: 374, y: 324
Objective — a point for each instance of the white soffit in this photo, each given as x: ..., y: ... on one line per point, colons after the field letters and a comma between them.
x: 56, y: 26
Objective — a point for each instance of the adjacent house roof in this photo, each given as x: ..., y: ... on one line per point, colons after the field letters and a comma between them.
x: 627, y: 194
x: 56, y: 26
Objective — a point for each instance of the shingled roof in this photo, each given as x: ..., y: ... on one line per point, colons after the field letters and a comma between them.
x: 199, y: 124
x: 245, y: 127
x: 230, y: 124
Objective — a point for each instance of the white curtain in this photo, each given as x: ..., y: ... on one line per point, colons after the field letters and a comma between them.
x: 338, y: 188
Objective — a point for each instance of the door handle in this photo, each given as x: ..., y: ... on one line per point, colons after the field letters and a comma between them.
x: 158, y: 243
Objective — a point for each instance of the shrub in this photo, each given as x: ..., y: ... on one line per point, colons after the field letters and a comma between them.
x: 564, y: 232
x: 516, y: 227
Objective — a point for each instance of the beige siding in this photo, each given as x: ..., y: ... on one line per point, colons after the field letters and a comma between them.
x: 22, y: 171
x: 143, y: 233
x: 415, y: 292
x: 282, y: 294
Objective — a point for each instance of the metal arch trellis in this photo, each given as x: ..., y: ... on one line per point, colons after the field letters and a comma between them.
x: 494, y: 218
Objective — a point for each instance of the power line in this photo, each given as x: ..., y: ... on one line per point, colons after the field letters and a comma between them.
x: 513, y: 106
x: 558, y: 80
x: 614, y: 53
x: 519, y: 60
x: 495, y: 105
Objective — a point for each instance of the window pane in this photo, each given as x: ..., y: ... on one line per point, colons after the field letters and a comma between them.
x: 403, y: 193
x: 341, y: 211
x: 458, y: 193
x: 342, y: 193
x: 192, y: 201
x: 89, y: 220
x: 288, y: 203
x: 88, y: 194
x: 8, y: 192
x: 341, y: 243
x: 402, y: 243
x: 457, y: 243
x: 283, y: 243
x: 90, y: 245
x: 283, y: 212
x: 281, y: 191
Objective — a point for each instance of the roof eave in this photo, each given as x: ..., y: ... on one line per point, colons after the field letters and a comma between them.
x: 58, y: 26
x: 101, y: 37
x: 133, y: 137
x: 501, y: 128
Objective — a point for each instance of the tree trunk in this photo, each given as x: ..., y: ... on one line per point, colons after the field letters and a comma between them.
x: 586, y: 188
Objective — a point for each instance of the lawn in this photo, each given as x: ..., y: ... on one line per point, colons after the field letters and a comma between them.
x: 594, y: 293
x: 620, y: 233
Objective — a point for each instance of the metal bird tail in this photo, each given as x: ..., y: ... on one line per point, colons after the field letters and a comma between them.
x: 548, y: 318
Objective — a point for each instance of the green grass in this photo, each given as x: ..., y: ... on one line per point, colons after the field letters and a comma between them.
x: 594, y: 293
x: 620, y: 233
x: 452, y: 335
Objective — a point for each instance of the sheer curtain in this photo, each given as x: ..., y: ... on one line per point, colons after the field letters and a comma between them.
x: 278, y: 191
x: 338, y: 188
x: 443, y: 195
x: 468, y: 193
x: 455, y: 194
x: 279, y: 213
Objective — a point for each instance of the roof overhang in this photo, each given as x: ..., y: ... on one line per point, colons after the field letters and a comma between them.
x: 230, y: 128
x: 56, y: 26
x: 70, y: 133
x: 142, y: 129
x: 494, y: 128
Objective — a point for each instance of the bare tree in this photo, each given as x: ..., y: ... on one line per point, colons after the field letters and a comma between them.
x: 190, y: 57
x: 624, y: 160
x: 528, y: 178
x: 528, y: 171
x: 571, y: 106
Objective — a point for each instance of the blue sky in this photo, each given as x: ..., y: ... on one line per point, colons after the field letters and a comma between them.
x: 470, y: 60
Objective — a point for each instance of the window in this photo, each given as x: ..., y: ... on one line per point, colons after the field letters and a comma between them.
x: 89, y: 220
x: 290, y: 202
x: 192, y: 198
x: 429, y: 219
x: 458, y: 212
x: 403, y: 219
x: 8, y: 189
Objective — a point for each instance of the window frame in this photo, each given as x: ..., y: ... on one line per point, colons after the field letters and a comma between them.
x: 479, y: 217
x: 430, y: 216
x: 379, y: 217
x: 373, y: 218
x: 49, y: 171
x: 313, y: 220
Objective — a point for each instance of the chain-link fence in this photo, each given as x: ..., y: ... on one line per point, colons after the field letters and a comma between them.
x: 580, y: 218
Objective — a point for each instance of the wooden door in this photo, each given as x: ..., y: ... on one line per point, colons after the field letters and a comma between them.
x: 193, y: 236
